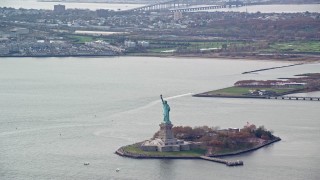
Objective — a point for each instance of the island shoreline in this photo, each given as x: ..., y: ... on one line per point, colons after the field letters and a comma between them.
x: 123, y: 153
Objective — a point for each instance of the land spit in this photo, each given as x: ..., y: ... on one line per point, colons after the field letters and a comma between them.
x: 123, y: 151
x: 270, y: 89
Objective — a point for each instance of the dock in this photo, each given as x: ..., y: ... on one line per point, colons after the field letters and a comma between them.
x: 222, y: 161
x: 283, y: 97
x: 266, y: 69
x: 294, y: 98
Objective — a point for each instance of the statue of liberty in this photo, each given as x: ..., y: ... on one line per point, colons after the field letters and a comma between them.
x: 166, y: 110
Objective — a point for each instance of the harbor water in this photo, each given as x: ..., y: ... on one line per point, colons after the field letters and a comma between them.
x: 58, y: 113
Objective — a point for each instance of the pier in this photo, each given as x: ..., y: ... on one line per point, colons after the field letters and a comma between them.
x: 294, y: 98
x: 266, y: 69
x: 297, y: 98
x: 222, y: 161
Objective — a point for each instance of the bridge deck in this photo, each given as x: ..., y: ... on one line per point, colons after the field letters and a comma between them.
x: 175, y: 5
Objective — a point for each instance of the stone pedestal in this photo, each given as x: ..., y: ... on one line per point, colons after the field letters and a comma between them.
x: 165, y: 141
x: 166, y: 134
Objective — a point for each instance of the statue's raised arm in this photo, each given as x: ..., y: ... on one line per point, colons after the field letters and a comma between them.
x: 161, y: 98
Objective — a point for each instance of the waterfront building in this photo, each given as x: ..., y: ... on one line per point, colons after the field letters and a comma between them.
x: 4, y: 50
x: 177, y: 15
x: 143, y: 43
x: 102, y: 12
x: 19, y: 31
x: 59, y: 8
x: 130, y: 44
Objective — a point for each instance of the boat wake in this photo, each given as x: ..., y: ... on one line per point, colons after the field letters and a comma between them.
x: 62, y: 126
x: 178, y: 96
x: 159, y: 101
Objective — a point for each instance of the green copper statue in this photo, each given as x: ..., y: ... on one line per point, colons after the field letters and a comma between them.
x: 166, y: 110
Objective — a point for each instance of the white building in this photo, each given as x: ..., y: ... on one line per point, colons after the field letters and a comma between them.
x: 59, y: 8
x: 143, y: 43
x: 19, y: 31
x: 130, y: 44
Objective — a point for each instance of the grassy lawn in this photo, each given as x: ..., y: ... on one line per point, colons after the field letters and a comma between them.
x: 82, y: 39
x: 207, y: 44
x: 136, y: 150
x: 285, y: 47
x: 219, y: 44
x: 239, y: 91
x: 296, y: 46
x: 192, y: 45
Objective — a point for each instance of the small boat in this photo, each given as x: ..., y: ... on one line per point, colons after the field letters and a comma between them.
x: 86, y: 163
x: 118, y: 169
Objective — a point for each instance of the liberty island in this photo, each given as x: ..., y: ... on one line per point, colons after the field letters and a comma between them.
x: 199, y: 142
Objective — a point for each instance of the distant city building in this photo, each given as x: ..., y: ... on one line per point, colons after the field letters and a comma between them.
x: 59, y: 8
x: 177, y: 16
x: 143, y: 43
x: 97, y: 44
x: 4, y: 50
x: 102, y: 12
x: 130, y: 44
x: 19, y: 31
x: 4, y: 39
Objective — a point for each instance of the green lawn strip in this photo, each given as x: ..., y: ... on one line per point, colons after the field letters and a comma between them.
x: 296, y: 46
x: 158, y: 46
x: 239, y: 91
x: 81, y: 39
x: 196, y: 45
x: 217, y: 44
x: 134, y: 149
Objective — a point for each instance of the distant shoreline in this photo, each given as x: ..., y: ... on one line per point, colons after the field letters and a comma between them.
x: 50, y: 56
x: 301, y: 60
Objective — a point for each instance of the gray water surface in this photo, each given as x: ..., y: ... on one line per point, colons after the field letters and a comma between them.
x: 57, y: 113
